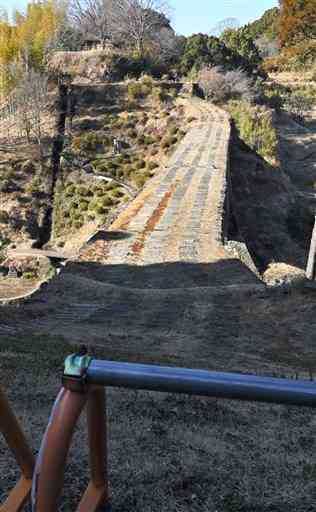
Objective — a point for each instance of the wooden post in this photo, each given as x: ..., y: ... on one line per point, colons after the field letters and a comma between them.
x: 49, y: 472
x: 97, y: 493
x: 16, y: 441
x: 310, y: 271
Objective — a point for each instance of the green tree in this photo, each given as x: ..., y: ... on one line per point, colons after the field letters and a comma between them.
x: 267, y: 26
x: 242, y: 42
x: 203, y: 50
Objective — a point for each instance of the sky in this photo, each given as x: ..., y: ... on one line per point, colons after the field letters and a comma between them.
x: 198, y: 15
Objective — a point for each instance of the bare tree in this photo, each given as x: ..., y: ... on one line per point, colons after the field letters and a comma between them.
x: 93, y: 16
x: 29, y: 104
x: 226, y: 24
x: 219, y: 85
x: 166, y: 44
x: 139, y: 21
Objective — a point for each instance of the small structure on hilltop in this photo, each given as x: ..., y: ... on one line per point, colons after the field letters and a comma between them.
x: 93, y: 42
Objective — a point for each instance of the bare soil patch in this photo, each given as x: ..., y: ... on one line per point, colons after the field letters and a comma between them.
x: 16, y: 287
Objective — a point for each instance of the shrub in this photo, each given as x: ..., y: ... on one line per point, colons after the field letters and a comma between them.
x: 112, y: 165
x: 132, y: 133
x: 82, y: 191
x: 28, y: 167
x: 166, y: 143
x: 173, y: 130
x: 29, y: 275
x: 70, y: 190
x: 140, y: 164
x: 99, y: 192
x: 298, y: 105
x: 83, y: 205
x: 90, y: 141
x: 159, y: 95
x: 33, y: 187
x: 139, y: 180
x: 4, y: 217
x: 141, y: 140
x: 123, y: 66
x: 152, y: 165
x: 100, y: 210
x: 139, y: 90
x: 119, y: 174
x: 255, y: 126
x: 5, y: 186
x: 107, y: 201
x: 218, y: 85
x: 118, y: 193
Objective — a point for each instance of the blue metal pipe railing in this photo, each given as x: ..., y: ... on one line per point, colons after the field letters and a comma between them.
x: 201, y: 383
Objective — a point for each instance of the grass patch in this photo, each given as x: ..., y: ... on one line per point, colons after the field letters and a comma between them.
x: 255, y: 126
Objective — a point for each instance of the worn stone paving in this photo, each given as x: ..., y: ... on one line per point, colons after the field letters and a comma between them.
x: 178, y: 216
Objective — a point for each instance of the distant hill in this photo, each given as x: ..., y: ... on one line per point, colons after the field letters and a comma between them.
x: 267, y: 26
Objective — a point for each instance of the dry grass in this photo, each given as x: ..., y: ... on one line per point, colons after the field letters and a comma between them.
x: 169, y: 452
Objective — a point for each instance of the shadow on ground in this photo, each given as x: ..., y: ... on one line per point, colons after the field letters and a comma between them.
x: 170, y: 452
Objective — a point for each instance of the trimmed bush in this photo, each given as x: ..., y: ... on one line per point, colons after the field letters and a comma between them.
x: 82, y: 191
x: 139, y: 180
x: 5, y: 186
x: 107, y: 201
x: 166, y: 143
x: 132, y: 133
x: 152, y: 165
x: 70, y: 190
x: 78, y: 223
x: 173, y: 130
x: 90, y: 141
x: 4, y: 217
x: 83, y: 205
x: 255, y: 126
x: 141, y: 164
x: 141, y: 140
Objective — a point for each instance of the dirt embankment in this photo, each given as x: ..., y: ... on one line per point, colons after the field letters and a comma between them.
x: 274, y: 206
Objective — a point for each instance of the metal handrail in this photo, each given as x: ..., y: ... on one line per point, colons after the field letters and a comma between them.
x: 84, y: 381
x: 203, y: 383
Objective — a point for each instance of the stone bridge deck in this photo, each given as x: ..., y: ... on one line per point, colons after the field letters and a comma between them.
x: 178, y: 216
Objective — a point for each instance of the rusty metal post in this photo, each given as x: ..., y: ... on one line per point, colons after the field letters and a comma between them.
x: 16, y: 441
x: 50, y: 466
x: 310, y: 271
x: 97, y: 493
